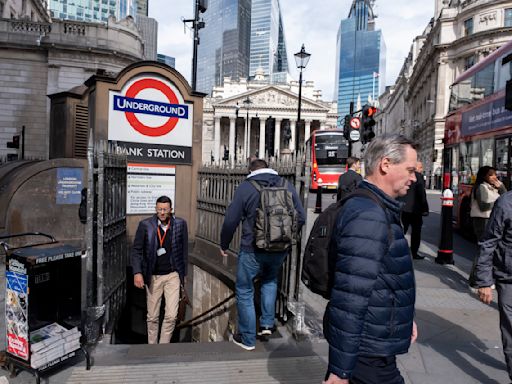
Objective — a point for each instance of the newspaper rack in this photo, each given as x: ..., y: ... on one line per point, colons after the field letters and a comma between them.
x: 42, y: 304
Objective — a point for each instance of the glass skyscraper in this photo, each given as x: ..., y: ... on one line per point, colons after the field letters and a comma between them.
x: 268, y: 46
x: 224, y: 43
x: 239, y: 37
x: 360, y: 59
x: 92, y: 10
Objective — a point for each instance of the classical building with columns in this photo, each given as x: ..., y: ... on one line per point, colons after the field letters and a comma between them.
x: 460, y: 34
x: 254, y: 118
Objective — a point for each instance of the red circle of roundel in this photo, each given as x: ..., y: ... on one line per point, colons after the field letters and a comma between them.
x: 133, y: 91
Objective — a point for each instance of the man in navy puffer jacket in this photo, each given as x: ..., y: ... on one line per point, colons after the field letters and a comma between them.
x: 369, y: 319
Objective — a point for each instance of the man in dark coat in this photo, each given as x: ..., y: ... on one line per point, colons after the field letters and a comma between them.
x: 159, y: 262
x: 253, y: 261
x: 494, y: 266
x: 415, y: 207
x: 369, y: 319
x: 349, y: 180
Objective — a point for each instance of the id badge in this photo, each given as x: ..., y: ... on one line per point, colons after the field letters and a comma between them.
x: 160, y: 251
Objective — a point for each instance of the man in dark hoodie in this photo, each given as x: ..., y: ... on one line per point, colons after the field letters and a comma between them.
x: 251, y: 260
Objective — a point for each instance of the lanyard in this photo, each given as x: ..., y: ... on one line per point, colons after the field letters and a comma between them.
x: 160, y: 238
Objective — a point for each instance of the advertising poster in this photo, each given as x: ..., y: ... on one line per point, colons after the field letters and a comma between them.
x: 146, y: 183
x: 16, y: 303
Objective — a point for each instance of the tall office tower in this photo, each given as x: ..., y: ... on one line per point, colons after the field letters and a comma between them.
x: 268, y: 45
x: 148, y: 29
x: 92, y: 10
x: 169, y: 60
x: 224, y: 43
x: 142, y: 7
x: 360, y: 58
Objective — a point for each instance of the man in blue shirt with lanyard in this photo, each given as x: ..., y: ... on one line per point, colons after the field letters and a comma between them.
x: 159, y: 261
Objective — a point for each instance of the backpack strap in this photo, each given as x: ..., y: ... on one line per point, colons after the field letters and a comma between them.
x: 256, y: 185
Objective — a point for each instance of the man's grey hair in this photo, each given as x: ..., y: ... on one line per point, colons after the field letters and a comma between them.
x: 391, y: 146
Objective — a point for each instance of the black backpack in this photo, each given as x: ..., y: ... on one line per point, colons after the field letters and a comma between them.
x: 319, y: 262
x: 275, y: 227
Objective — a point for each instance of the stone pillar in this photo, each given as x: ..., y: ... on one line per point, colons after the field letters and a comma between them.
x: 261, y: 151
x: 248, y: 151
x: 232, y: 149
x: 307, y: 130
x: 277, y: 138
x: 293, y: 127
x: 216, y: 140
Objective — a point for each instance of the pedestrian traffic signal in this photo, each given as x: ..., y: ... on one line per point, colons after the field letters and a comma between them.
x: 368, y: 123
x: 15, y: 143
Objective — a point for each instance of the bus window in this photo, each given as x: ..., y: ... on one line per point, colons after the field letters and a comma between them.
x: 487, y: 151
x: 469, y: 162
x: 502, y: 161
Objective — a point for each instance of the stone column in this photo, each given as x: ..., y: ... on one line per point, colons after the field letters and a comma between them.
x: 216, y: 140
x: 307, y: 130
x: 248, y: 151
x: 232, y: 149
x: 293, y: 127
x: 277, y: 138
x: 261, y: 151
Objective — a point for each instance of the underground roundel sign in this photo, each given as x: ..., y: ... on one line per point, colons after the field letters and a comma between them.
x: 149, y: 109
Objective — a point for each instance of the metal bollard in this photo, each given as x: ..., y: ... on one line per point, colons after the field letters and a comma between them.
x: 318, y: 205
x: 445, y: 252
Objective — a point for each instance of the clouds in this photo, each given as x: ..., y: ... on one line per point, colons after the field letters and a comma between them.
x: 312, y: 23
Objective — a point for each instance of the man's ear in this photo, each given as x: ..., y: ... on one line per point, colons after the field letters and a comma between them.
x: 384, y: 165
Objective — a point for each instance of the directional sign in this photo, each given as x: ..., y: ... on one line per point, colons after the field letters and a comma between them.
x: 355, y: 123
x: 354, y: 135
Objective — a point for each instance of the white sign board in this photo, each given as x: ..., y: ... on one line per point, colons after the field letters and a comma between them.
x: 150, y: 121
x: 354, y: 135
x: 146, y: 183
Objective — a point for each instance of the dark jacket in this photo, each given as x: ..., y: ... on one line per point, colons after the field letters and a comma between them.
x: 372, y: 302
x: 246, y: 201
x: 146, y: 244
x: 494, y: 261
x: 347, y: 183
x: 416, y: 199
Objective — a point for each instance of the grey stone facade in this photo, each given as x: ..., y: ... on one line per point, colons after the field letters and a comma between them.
x: 38, y: 59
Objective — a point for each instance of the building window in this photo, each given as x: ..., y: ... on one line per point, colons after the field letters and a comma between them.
x: 469, y: 62
x: 508, y: 17
x: 468, y: 27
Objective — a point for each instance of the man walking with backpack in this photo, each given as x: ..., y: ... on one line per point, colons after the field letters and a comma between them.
x: 266, y: 241
x: 369, y: 318
x: 349, y: 180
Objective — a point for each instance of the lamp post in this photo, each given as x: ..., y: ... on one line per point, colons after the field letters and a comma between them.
x: 301, y: 59
x: 247, y: 103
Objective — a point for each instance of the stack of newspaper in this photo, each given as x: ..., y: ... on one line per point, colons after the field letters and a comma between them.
x: 52, y: 342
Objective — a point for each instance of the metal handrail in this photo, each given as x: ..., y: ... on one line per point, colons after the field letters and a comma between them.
x: 6, y: 246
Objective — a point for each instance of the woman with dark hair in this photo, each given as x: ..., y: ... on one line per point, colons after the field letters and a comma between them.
x: 485, y: 192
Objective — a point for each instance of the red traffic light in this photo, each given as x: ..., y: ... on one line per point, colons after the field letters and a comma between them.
x: 369, y: 111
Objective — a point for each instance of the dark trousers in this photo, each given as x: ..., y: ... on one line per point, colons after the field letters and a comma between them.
x: 375, y: 370
x: 505, y: 307
x: 415, y: 221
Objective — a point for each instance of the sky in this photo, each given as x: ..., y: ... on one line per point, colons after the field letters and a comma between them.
x: 312, y: 23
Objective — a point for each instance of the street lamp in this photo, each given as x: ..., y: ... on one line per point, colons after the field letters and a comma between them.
x: 301, y: 59
x: 247, y: 103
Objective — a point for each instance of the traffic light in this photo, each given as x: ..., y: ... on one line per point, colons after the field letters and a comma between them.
x: 346, y: 127
x: 15, y: 143
x: 367, y: 123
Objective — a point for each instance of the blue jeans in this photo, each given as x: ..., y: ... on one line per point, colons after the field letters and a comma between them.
x: 250, y: 265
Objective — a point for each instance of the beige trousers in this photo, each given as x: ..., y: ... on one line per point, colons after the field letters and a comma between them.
x: 168, y: 285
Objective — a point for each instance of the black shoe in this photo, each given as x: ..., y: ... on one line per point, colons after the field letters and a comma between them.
x: 418, y: 257
x: 237, y: 339
x: 266, y: 331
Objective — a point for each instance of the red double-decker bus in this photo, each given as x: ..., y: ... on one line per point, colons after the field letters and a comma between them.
x: 478, y: 129
x: 329, y: 151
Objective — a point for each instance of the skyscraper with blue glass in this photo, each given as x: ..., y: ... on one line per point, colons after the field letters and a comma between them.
x: 241, y: 36
x: 224, y: 45
x: 360, y: 58
x: 268, y: 46
x: 92, y: 10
